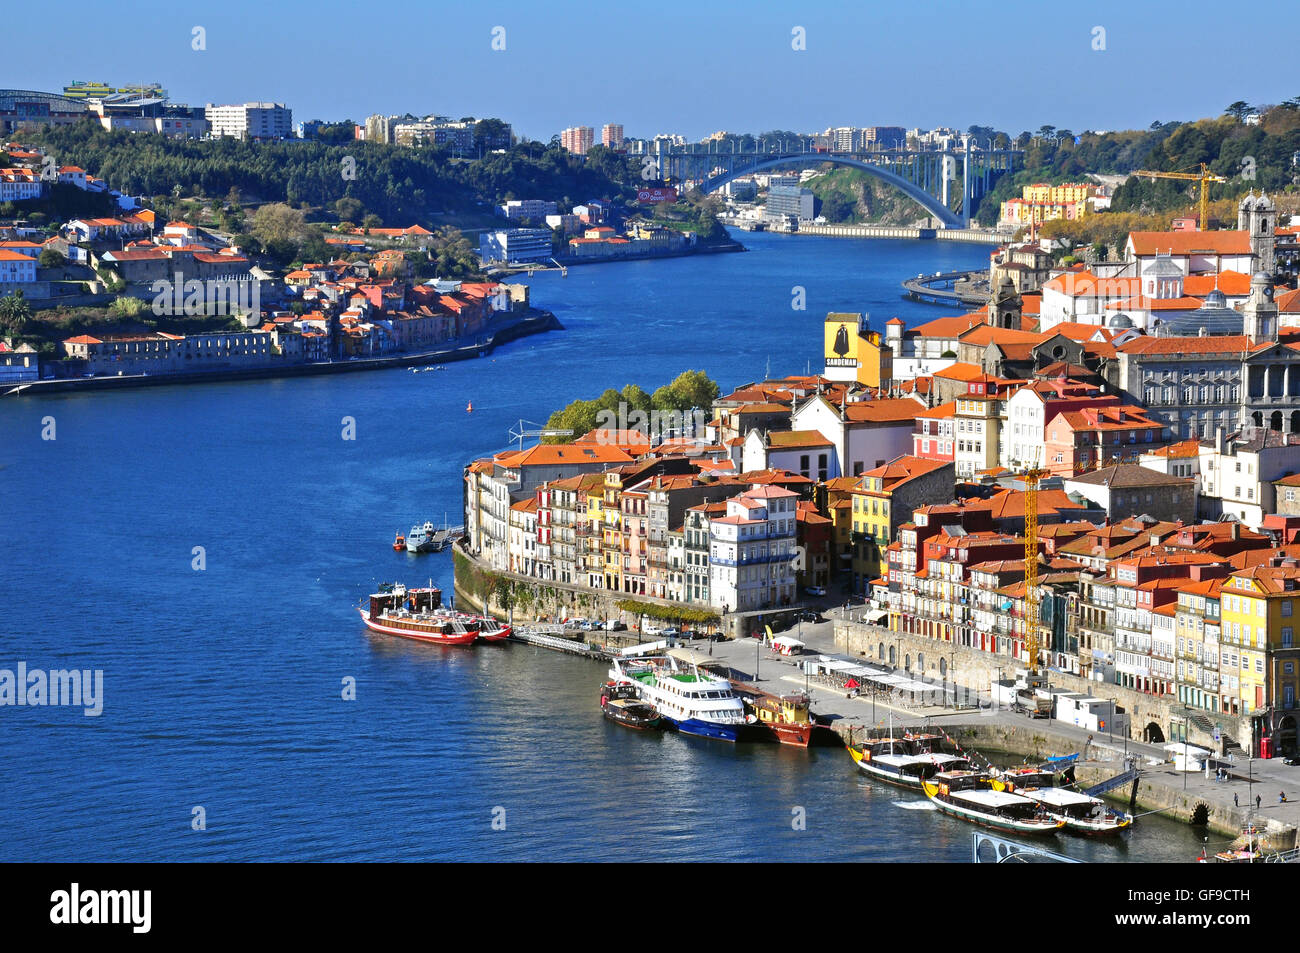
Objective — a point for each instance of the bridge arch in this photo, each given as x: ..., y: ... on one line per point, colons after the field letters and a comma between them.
x: 917, y: 194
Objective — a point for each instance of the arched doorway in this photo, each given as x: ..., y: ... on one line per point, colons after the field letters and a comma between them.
x: 907, y: 662
x: 891, y: 655
x: 920, y: 661
x: 880, y: 652
x: 1257, y: 418
x: 1275, y: 421
x: 1153, y: 735
x: 943, y: 667
x: 1286, y: 734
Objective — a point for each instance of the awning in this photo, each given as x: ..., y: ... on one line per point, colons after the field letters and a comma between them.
x: 875, y: 615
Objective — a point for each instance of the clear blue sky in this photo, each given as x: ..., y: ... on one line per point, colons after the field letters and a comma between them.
x: 677, y: 66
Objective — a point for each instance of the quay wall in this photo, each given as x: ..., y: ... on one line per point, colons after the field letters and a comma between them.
x: 1159, y: 788
x: 977, y: 670
x: 974, y: 235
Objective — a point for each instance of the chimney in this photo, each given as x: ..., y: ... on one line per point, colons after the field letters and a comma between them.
x: 1236, y: 530
x: 1218, y: 440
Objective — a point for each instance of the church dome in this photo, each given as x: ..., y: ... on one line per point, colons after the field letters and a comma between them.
x: 1216, y: 299
x: 1119, y: 322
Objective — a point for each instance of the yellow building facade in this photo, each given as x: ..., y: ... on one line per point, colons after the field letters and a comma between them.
x: 854, y: 353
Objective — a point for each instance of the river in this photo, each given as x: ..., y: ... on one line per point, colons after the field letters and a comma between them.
x: 204, y: 546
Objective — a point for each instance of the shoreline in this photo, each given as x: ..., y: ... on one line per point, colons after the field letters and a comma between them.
x: 565, y: 263
x: 535, y: 322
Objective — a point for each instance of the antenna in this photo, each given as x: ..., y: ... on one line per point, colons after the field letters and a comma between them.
x: 520, y: 432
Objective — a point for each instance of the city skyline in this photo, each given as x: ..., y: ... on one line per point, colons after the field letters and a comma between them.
x: 753, y: 82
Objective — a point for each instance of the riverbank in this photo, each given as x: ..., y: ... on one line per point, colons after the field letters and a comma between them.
x: 969, y: 235
x: 565, y: 262
x: 995, y: 735
x: 500, y: 331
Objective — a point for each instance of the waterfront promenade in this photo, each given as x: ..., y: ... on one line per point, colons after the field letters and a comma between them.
x: 1001, y: 731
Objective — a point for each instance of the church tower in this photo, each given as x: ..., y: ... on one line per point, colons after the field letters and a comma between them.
x: 1257, y: 217
x: 1006, y: 306
x: 1260, y: 313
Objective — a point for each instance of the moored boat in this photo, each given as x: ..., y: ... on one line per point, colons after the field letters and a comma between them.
x: 414, y: 614
x: 685, y: 689
x: 969, y: 795
x: 782, y: 718
x: 621, y: 704
x: 1081, y: 813
x: 399, y: 543
x: 903, y: 762
x: 493, y: 630
x: 421, y: 538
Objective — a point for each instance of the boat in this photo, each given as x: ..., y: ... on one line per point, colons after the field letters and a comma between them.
x: 686, y: 691
x: 905, y: 761
x: 782, y: 718
x: 420, y: 538
x: 415, y: 614
x: 969, y: 795
x: 493, y: 630
x: 399, y: 543
x: 1081, y: 813
x: 622, y: 705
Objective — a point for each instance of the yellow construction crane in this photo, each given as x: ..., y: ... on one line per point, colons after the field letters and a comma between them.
x: 1203, y: 177
x: 1032, y: 645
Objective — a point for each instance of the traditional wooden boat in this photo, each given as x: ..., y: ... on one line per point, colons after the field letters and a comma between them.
x: 783, y: 718
x: 899, y: 762
x: 1081, y: 813
x: 414, y: 614
x: 969, y: 795
x: 621, y: 704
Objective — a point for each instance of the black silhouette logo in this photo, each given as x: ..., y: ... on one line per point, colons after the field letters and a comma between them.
x: 841, y: 346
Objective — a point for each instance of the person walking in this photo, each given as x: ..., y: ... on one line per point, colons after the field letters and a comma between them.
x: 1258, y: 801
x: 1235, y: 802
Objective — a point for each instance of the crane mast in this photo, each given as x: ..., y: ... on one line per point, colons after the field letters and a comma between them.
x: 1203, y: 177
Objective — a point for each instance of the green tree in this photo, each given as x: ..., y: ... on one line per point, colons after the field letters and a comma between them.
x: 278, y: 223
x: 14, y: 312
x: 52, y: 258
x: 349, y: 209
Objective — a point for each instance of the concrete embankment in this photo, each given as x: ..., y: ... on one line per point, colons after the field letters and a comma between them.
x: 500, y: 333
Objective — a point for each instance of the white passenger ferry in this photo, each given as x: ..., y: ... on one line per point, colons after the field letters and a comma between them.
x: 686, y: 691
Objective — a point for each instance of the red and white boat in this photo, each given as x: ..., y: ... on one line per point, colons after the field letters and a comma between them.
x: 415, y: 614
x: 493, y: 630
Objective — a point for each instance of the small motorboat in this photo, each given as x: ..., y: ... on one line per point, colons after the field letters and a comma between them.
x: 621, y: 704
x: 399, y: 543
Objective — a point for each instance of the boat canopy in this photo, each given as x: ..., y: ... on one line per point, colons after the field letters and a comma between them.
x: 1059, y: 797
x: 993, y: 799
x: 788, y: 641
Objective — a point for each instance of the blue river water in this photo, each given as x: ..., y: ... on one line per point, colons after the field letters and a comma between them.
x: 222, y: 685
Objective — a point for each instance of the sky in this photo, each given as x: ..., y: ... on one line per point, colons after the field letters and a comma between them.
x: 690, y: 67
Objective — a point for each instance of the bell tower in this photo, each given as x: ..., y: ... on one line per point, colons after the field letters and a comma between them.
x: 1006, y: 306
x: 1260, y: 313
x: 1257, y: 217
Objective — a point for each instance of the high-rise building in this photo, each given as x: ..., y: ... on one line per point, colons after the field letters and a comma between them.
x: 611, y: 135
x: 251, y: 121
x: 379, y: 128
x: 578, y: 139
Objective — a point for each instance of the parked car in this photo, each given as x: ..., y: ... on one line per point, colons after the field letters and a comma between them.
x: 615, y: 625
x: 815, y: 591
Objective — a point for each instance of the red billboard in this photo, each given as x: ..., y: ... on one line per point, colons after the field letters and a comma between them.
x: 656, y: 195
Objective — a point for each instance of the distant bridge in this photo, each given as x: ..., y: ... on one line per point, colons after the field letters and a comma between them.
x: 927, y: 177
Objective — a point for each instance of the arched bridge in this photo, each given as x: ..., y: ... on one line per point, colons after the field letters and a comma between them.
x: 927, y: 177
